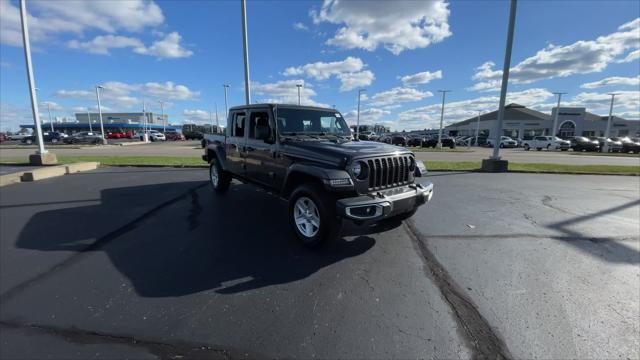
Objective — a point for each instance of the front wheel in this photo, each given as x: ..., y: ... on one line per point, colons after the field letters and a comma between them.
x: 526, y: 147
x: 220, y: 179
x: 311, y: 215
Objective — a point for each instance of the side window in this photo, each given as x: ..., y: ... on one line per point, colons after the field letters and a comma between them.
x: 257, y: 118
x: 237, y: 127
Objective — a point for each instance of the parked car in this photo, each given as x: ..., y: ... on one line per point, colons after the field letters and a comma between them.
x: 192, y: 135
x: 368, y: 136
x: 628, y: 145
x: 463, y: 140
x: 17, y: 136
x: 48, y: 137
x: 416, y: 141
x: 115, y: 135
x: 153, y: 135
x: 432, y: 142
x: 323, y: 176
x: 399, y: 140
x: 614, y: 146
x: 3, y: 137
x: 84, y: 137
x: 546, y: 142
x: 174, y: 135
x: 581, y: 143
x: 505, y: 142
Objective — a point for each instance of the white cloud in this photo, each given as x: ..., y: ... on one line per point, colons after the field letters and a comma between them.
x: 169, y: 90
x: 350, y: 81
x: 613, y: 80
x: 630, y: 56
x: 124, y: 95
x: 367, y: 116
x: 101, y: 44
x: 50, y: 18
x: 581, y: 57
x: 300, y: 26
x: 286, y: 92
x: 396, y: 25
x: 196, y: 115
x: 398, y: 95
x: 169, y: 47
x: 11, y: 117
x: 429, y: 116
x: 421, y: 77
x: 52, y: 105
x: 349, y: 71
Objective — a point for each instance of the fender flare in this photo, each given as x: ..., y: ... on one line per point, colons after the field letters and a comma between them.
x: 219, y: 152
x: 317, y: 172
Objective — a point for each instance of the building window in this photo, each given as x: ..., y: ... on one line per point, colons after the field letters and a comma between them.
x: 623, y: 133
x: 567, y: 129
x: 588, y: 133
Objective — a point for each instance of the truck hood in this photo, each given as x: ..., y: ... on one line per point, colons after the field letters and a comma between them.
x: 336, y: 152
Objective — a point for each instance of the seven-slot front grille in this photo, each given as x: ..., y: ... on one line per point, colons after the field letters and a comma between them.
x: 389, y: 171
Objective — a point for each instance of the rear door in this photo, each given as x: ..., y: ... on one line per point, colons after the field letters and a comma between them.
x: 236, y: 142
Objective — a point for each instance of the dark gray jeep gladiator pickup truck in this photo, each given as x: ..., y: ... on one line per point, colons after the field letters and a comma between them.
x: 308, y: 156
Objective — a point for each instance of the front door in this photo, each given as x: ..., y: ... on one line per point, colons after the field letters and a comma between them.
x: 260, y: 156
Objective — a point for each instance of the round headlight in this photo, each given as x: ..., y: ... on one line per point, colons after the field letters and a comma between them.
x: 356, y: 169
x: 412, y: 164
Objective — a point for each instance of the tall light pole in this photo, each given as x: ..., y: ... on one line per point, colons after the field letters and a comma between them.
x: 505, y: 80
x: 298, y: 86
x: 39, y: 158
x: 226, y: 109
x: 554, y: 128
x: 164, y: 123
x: 360, y: 91
x: 98, y: 87
x: 245, y: 45
x: 145, y: 136
x: 49, y: 111
x: 439, y: 144
x: 89, y: 117
x: 607, y: 132
x: 217, y: 120
x: 478, y: 127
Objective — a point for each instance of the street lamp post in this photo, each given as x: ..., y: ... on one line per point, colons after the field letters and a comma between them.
x: 607, y: 132
x: 145, y: 136
x: 89, y: 117
x: 298, y: 86
x: 217, y: 120
x: 360, y: 91
x: 245, y: 44
x: 554, y: 128
x: 98, y: 87
x: 226, y: 109
x: 40, y: 157
x: 49, y: 111
x: 439, y: 144
x: 493, y: 164
x: 478, y: 127
x: 164, y: 123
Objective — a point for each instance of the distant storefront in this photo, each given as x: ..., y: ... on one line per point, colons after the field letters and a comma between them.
x: 522, y: 123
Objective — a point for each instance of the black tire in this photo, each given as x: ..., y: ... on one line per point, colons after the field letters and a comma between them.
x: 539, y: 149
x: 501, y: 146
x: 221, y: 185
x: 325, y: 211
x: 548, y: 147
x: 527, y: 147
x: 564, y: 149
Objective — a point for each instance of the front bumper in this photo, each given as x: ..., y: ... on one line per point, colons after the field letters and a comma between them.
x: 385, y: 203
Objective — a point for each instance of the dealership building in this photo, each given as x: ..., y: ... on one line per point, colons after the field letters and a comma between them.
x: 521, y: 122
x: 112, y: 122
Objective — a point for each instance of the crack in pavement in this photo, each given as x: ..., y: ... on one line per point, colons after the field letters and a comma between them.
x: 483, y: 340
x: 96, y: 245
x: 163, y: 350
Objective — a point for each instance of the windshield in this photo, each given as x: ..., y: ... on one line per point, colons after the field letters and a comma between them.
x: 311, y: 122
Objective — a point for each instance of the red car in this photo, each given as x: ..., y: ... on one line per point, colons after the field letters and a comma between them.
x: 119, y: 135
x: 173, y: 135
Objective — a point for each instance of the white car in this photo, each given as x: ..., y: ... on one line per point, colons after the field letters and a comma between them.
x: 505, y: 142
x: 154, y: 135
x: 17, y: 136
x: 546, y: 142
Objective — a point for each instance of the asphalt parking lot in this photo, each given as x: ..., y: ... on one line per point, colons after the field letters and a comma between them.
x: 150, y: 263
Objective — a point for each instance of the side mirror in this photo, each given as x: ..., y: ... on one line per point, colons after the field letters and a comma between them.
x: 263, y: 132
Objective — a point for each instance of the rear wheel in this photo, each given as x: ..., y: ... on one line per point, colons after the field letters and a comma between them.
x: 527, y: 147
x: 311, y: 215
x: 548, y: 147
x: 220, y: 179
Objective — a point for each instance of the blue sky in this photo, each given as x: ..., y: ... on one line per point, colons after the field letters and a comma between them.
x: 181, y: 52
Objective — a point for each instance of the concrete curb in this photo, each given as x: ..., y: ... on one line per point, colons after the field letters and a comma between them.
x: 133, y: 143
x: 46, y: 172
